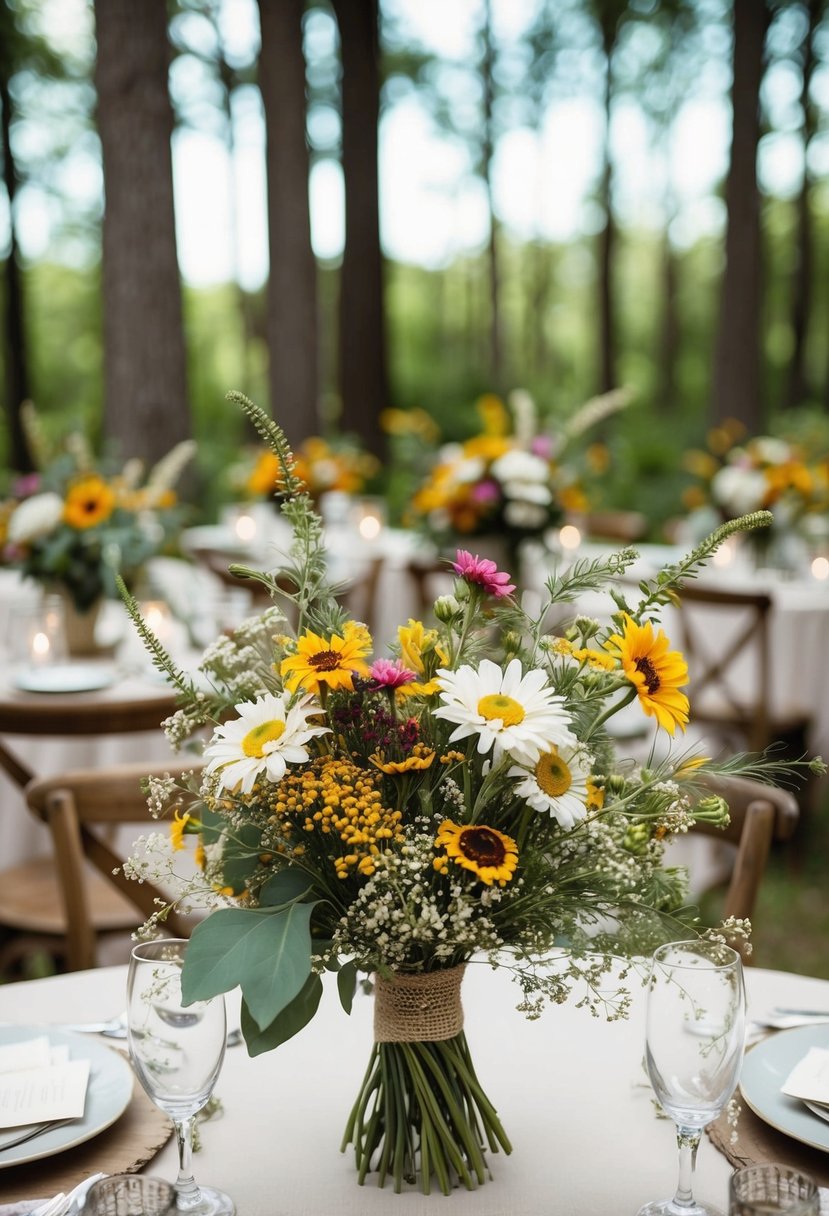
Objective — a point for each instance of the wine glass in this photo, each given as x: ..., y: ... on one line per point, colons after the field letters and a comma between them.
x: 177, y: 1052
x: 693, y: 1050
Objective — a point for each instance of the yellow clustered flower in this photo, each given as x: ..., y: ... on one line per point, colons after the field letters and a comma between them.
x: 452, y: 757
x: 420, y: 757
x: 335, y: 797
x: 595, y: 795
x: 594, y: 658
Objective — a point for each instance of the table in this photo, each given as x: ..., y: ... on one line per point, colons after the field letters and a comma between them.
x: 571, y: 1092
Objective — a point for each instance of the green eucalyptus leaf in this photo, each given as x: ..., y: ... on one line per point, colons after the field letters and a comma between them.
x: 284, y: 887
x: 286, y: 1024
x: 347, y: 984
x: 267, y: 953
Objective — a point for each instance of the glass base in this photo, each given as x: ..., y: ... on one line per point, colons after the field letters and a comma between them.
x: 667, y: 1207
x: 210, y: 1203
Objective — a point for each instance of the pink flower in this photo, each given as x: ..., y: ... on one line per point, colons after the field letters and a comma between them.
x: 484, y: 572
x: 486, y: 491
x: 391, y: 675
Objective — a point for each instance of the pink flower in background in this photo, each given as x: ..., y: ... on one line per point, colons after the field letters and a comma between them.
x: 484, y: 572
x: 391, y: 674
x: 28, y: 484
x: 543, y: 446
x: 486, y: 491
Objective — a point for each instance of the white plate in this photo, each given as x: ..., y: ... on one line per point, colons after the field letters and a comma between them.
x: 765, y: 1069
x: 107, y: 1096
x: 65, y: 677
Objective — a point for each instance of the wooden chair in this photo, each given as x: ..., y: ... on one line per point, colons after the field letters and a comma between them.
x: 64, y: 904
x: 736, y: 705
x: 760, y: 815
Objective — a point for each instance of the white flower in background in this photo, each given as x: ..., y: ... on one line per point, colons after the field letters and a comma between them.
x: 524, y: 476
x: 769, y: 450
x: 557, y: 783
x: 470, y: 469
x: 510, y: 712
x: 524, y: 515
x: 36, y: 516
x: 739, y: 490
x: 524, y: 415
x: 265, y: 738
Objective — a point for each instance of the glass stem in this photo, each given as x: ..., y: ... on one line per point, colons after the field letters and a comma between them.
x: 188, y: 1194
x: 687, y: 1139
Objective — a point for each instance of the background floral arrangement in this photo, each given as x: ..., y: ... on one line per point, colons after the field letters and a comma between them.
x: 74, y: 525
x: 515, y: 478
x: 738, y: 474
x: 403, y: 815
x: 322, y: 465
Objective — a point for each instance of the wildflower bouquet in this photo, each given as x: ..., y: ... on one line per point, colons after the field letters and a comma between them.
x: 72, y: 525
x: 514, y: 479
x: 459, y: 801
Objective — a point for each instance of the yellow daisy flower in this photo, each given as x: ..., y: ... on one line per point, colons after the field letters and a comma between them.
x: 89, y: 501
x: 656, y: 671
x: 415, y: 641
x: 488, y: 853
x: 331, y: 661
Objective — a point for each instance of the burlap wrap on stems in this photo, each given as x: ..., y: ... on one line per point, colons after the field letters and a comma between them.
x: 422, y: 1008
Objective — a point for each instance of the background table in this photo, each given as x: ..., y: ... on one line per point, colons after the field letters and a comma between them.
x: 570, y: 1089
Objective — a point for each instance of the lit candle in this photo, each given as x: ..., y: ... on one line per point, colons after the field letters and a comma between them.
x: 245, y: 527
x: 158, y: 618
x: 820, y: 568
x: 569, y: 537
x: 726, y: 553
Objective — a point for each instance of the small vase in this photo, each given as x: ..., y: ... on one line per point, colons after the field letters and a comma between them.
x: 80, y: 627
x: 421, y: 1114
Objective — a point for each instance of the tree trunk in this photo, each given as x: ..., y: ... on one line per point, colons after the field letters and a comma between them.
x: 145, y: 385
x: 607, y: 237
x: 291, y: 326
x: 798, y: 388
x: 363, y: 366
x: 496, y: 353
x: 737, y: 381
x: 14, y: 359
x: 669, y: 327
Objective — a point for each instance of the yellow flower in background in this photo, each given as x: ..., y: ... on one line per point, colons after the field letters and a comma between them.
x: 488, y: 853
x: 656, y: 671
x: 264, y: 476
x: 495, y: 417
x: 89, y: 501
x: 331, y: 661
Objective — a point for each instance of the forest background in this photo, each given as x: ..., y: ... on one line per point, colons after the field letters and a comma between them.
x: 458, y: 198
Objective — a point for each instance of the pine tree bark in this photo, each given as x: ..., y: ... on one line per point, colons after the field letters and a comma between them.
x: 364, y: 386
x: 496, y: 351
x: 291, y: 324
x: 15, y: 358
x: 738, y: 380
x: 145, y: 384
x: 798, y: 388
x: 607, y: 237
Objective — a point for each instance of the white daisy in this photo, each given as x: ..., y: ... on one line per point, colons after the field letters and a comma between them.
x: 557, y: 783
x: 510, y: 712
x: 267, y: 736
x: 35, y: 517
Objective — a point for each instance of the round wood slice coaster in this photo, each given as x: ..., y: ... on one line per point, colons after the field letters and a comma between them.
x: 757, y: 1143
x: 131, y: 1142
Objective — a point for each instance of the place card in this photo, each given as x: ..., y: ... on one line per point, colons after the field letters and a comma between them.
x: 809, y: 1079
x: 40, y: 1084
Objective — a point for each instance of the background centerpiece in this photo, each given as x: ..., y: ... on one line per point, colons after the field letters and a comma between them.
x: 457, y: 803
x: 78, y: 521
x: 517, y: 478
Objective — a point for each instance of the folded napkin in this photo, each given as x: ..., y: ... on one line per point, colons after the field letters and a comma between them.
x: 809, y: 1079
x: 39, y: 1084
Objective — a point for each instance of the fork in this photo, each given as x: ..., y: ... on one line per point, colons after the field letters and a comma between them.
x: 30, y: 1134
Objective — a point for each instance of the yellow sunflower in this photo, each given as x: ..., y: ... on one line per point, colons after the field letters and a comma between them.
x: 488, y: 853
x: 264, y: 477
x: 331, y: 661
x: 656, y: 671
x: 88, y: 502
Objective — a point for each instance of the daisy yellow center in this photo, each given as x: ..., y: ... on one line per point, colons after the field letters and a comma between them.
x: 553, y: 775
x: 257, y: 737
x: 496, y: 705
x: 646, y: 668
x: 483, y: 846
x: 325, y: 660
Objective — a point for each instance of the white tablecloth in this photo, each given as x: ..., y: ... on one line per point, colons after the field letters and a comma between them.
x: 570, y: 1090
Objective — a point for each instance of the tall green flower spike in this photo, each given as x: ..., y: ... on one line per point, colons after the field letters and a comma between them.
x: 274, y: 437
